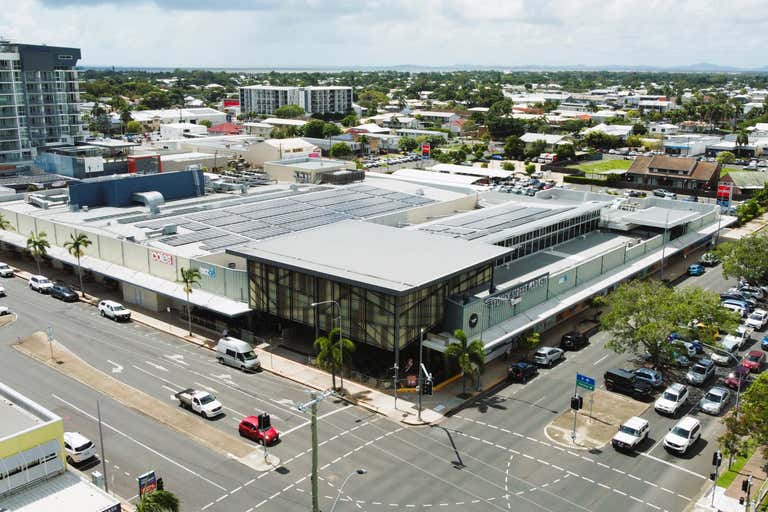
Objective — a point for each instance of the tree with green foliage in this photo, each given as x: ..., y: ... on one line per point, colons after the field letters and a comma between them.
x: 565, y: 152
x: 5, y: 224
x: 158, y: 501
x: 329, y: 352
x: 468, y: 355
x: 372, y: 99
x: 156, y: 100
x: 125, y: 117
x: 725, y: 157
x: 751, y: 424
x: 289, y: 112
x: 349, y: 120
x: 340, y: 150
x: 133, y: 127
x: 38, y: 245
x: 508, y: 166
x: 601, y: 140
x: 746, y: 257
x: 407, y: 144
x: 514, y: 148
x: 529, y: 344
x: 314, y: 128
x: 76, y: 247
x: 190, y: 277
x: 331, y: 130
x: 530, y: 168
x: 205, y: 122
x: 634, y: 141
x: 536, y: 148
x: 641, y: 314
x: 639, y: 129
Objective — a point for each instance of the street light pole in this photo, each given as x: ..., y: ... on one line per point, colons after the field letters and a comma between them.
x: 421, y: 373
x: 359, y: 471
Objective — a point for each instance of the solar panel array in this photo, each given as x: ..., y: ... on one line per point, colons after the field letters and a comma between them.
x: 239, y: 221
x: 479, y: 224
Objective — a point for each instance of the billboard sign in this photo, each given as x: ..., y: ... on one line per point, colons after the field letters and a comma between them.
x: 147, y: 483
x: 515, y: 294
x: 425, y: 150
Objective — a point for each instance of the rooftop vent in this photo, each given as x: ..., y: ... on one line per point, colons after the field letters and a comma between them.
x: 151, y: 200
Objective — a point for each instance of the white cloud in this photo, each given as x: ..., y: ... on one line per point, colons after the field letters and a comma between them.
x: 272, y: 33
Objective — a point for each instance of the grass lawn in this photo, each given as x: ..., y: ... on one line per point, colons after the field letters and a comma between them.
x: 726, y: 478
x: 604, y: 165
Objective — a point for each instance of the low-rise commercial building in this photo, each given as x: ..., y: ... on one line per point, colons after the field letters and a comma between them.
x: 686, y: 175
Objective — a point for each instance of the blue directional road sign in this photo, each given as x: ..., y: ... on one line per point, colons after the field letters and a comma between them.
x: 585, y: 382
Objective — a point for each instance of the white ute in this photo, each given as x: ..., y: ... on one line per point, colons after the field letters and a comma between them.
x: 201, y: 402
x: 633, y: 432
x: 757, y: 319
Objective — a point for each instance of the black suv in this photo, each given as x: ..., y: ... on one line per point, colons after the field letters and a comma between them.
x: 573, y: 340
x: 63, y: 292
x: 627, y: 383
x: 521, y: 372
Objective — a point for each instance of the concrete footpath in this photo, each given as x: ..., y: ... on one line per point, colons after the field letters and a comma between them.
x: 727, y: 499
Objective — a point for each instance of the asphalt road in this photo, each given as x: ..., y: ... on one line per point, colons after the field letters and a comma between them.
x: 508, y: 462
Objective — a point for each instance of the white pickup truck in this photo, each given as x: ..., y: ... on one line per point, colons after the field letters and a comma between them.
x: 201, y: 402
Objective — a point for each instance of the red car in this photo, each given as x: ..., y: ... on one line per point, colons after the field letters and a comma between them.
x: 754, y: 360
x: 259, y: 428
x: 738, y: 378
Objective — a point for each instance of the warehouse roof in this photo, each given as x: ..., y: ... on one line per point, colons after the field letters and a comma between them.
x: 372, y: 255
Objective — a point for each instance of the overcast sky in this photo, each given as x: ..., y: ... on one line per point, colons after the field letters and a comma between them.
x: 306, y: 33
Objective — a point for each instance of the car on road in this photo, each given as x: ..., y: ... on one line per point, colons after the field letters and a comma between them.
x: 259, y: 430
x: 683, y: 435
x: 201, y: 402
x: 5, y: 270
x: 738, y: 378
x: 701, y: 372
x: 64, y: 292
x: 709, y: 259
x: 40, y: 284
x: 548, y: 356
x: 573, y: 340
x: 521, y: 372
x: 672, y: 399
x: 114, y: 310
x: 764, y: 343
x: 4, y: 310
x: 237, y: 353
x: 649, y: 375
x: 715, y: 400
x: 754, y: 361
x: 695, y: 269
x: 78, y: 447
x: 627, y: 383
x: 757, y: 319
x: 631, y: 434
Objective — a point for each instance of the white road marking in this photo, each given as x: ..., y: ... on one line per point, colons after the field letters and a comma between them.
x: 539, y: 400
x: 117, y: 368
x: 157, y: 366
x: 674, y: 466
x: 203, y: 386
x: 148, y: 448
x: 600, y: 360
x: 176, y: 358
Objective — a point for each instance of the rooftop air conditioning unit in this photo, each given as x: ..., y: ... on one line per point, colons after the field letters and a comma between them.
x: 169, y: 229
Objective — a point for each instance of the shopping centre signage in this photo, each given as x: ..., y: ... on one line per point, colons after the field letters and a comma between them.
x: 515, y: 294
x: 162, y: 257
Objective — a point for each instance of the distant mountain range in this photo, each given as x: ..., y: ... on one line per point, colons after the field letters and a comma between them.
x: 701, y: 67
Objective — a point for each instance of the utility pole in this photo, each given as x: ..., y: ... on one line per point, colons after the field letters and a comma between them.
x: 420, y: 381
x: 312, y: 405
x: 101, y: 443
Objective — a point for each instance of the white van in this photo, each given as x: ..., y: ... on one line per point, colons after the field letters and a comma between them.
x: 237, y: 353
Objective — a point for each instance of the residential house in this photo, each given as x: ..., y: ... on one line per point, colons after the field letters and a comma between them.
x: 225, y: 129
x: 621, y: 131
x: 685, y: 175
x: 662, y: 128
x: 552, y: 140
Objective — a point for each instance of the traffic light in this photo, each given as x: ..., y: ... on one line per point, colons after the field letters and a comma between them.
x: 717, y: 459
x: 264, y: 421
x: 427, y: 390
x: 577, y: 402
x: 745, y: 485
x: 160, y: 484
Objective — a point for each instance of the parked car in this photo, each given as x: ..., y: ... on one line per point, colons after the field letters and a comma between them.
x: 237, y: 353
x: 78, y: 447
x: 709, y: 259
x: 252, y: 428
x: 5, y: 270
x: 114, y: 310
x: 754, y: 360
x: 757, y: 319
x: 764, y: 343
x: 626, y: 382
x: 683, y: 435
x: 573, y: 340
x: 755, y: 291
x: 4, y: 310
x: 649, y: 375
x: 548, y: 356
x: 631, y: 434
x: 715, y: 400
x: 40, y: 284
x: 201, y: 402
x: 673, y: 398
x: 736, y: 308
x: 738, y: 379
x: 695, y: 270
x: 666, y: 194
x: 701, y: 372
x: 744, y: 335
x: 64, y: 292
x: 521, y: 372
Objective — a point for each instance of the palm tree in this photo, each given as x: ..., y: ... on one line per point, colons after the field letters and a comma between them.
x: 329, y: 352
x: 189, y: 277
x: 468, y: 355
x: 158, y: 501
x: 742, y: 139
x: 363, y: 142
x: 38, y: 246
x: 125, y: 117
x: 5, y: 224
x: 76, y: 246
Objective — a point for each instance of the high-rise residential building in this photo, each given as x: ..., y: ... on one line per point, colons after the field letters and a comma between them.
x: 265, y: 99
x: 39, y: 96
